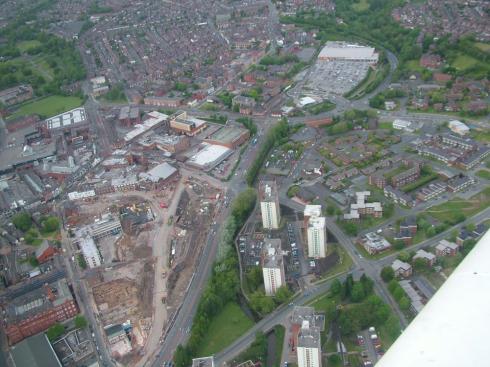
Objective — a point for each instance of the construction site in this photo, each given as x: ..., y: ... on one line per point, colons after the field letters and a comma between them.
x: 148, y: 252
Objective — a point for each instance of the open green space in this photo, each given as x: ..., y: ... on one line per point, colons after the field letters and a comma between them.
x: 482, y: 136
x: 48, y: 106
x: 464, y: 62
x: 483, y: 46
x: 227, y: 326
x: 361, y: 6
x: 483, y: 174
x: 321, y: 107
x: 452, y: 210
x: 24, y: 46
x: 414, y: 66
x: 373, y: 78
x: 385, y: 125
x: 423, y: 180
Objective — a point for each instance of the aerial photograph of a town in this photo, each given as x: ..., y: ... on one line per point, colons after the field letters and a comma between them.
x: 244, y: 183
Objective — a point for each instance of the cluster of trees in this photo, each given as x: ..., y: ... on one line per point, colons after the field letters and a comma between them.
x: 363, y: 308
x: 61, y: 56
x: 378, y: 101
x: 224, y: 284
x: 399, y: 295
x: 249, y: 124
x: 22, y: 221
x: 50, y: 224
x: 431, y: 230
x: 226, y: 97
x: 276, y: 136
x: 55, y: 331
x: 263, y: 304
x: 321, y: 107
x: 256, y: 352
x: 255, y: 93
x: 116, y: 93
x: 278, y: 59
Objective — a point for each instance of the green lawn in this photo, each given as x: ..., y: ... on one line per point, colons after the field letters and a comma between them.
x: 414, y: 66
x: 361, y: 6
x: 483, y: 46
x: 483, y: 174
x: 449, y: 210
x: 224, y: 329
x: 385, y: 125
x: 48, y: 106
x: 26, y: 45
x: 464, y: 62
x: 423, y: 180
x: 280, y: 331
x: 483, y: 136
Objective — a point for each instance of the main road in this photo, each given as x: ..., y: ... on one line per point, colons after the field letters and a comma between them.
x: 178, y: 331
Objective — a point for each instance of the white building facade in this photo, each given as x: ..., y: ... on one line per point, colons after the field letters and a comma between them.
x: 317, y: 237
x: 269, y: 205
x: 272, y: 266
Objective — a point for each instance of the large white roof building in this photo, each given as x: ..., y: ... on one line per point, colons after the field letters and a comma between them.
x: 346, y: 51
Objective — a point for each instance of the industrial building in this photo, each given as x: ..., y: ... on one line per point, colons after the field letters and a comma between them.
x: 272, y: 266
x: 38, y: 309
x: 181, y: 123
x: 159, y: 174
x: 209, y: 156
x: 458, y: 127
x: 129, y: 116
x: 35, y: 351
x: 72, y: 122
x: 230, y: 137
x: 15, y: 95
x: 155, y: 120
x: 269, y: 205
x: 169, y: 143
x: 347, y: 52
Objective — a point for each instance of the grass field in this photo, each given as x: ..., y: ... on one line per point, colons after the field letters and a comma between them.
x: 26, y: 45
x: 483, y: 174
x: 344, y: 264
x: 483, y: 136
x: 463, y: 62
x: 449, y: 210
x: 483, y: 46
x: 361, y: 6
x: 48, y: 106
x: 385, y: 125
x: 224, y: 329
x: 413, y: 65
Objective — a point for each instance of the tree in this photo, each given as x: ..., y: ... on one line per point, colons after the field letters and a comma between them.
x: 387, y: 274
x: 419, y: 264
x: 182, y: 357
x: 81, y: 261
x: 22, y: 221
x: 283, y: 294
x: 404, y: 256
x: 398, y: 293
x: 50, y: 224
x: 404, y: 303
x: 399, y: 245
x: 334, y: 359
x: 357, y: 294
x: 336, y: 287
x: 471, y: 227
x: 80, y: 322
x: 254, y: 278
x: 55, y: 331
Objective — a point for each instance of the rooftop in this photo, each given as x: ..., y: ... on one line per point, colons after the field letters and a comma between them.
x: 227, y: 134
x: 268, y: 191
x: 35, y: 351
x: 346, y: 51
x: 210, y: 155
x: 313, y: 211
x: 67, y: 119
x: 160, y: 172
x: 272, y: 253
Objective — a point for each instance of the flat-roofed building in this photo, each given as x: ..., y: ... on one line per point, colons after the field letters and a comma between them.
x: 129, y: 115
x: 203, y: 362
x: 182, y: 123
x: 209, y: 156
x: 309, y: 350
x: 230, y: 137
x: 362, y: 208
x: 38, y: 309
x: 155, y: 119
x: 169, y: 143
x: 349, y: 52
x: 374, y: 243
x: 70, y: 121
x: 245, y: 104
x: 163, y: 101
x: 272, y: 266
x: 90, y: 251
x: 269, y: 205
x: 35, y: 351
x: 14, y: 95
x: 317, y: 237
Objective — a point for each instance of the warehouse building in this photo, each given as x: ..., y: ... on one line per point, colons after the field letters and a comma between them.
x: 348, y: 52
x: 230, y: 137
